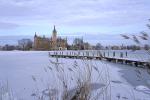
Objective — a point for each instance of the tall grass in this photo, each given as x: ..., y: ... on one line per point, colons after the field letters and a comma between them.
x: 138, y: 39
x: 5, y: 92
x: 80, y: 81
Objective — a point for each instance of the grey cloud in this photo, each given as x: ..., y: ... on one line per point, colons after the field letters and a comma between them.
x: 16, y: 10
x: 128, y: 18
x: 77, y: 12
x: 5, y: 25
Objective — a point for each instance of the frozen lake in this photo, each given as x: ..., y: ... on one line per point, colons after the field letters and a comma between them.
x: 18, y: 68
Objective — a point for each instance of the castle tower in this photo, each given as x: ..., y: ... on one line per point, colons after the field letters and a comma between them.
x: 54, y: 39
x: 54, y: 34
x: 35, y: 41
x: 35, y: 35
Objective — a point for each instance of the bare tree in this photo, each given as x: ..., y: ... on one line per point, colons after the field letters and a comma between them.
x: 25, y: 44
x: 98, y: 46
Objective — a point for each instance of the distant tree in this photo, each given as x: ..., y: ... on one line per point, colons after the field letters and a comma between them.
x: 1, y: 47
x: 135, y: 47
x: 98, y: 46
x: 106, y: 47
x: 78, y: 41
x: 115, y: 47
x: 8, y: 47
x: 69, y: 47
x: 25, y: 44
x: 78, y: 44
x: 86, y: 46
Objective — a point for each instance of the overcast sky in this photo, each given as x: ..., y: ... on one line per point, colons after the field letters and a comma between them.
x: 80, y: 17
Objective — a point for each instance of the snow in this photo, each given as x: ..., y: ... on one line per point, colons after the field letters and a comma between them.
x: 143, y: 89
x: 25, y: 71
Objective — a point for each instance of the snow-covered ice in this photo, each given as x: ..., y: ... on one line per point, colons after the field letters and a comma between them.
x: 18, y: 68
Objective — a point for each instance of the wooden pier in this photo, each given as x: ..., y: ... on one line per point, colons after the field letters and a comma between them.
x: 101, y: 56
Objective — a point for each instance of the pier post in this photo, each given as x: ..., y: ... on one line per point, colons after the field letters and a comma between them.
x: 114, y: 54
x: 124, y: 61
x: 104, y: 54
x: 93, y: 54
x: 126, y: 53
x: 116, y: 60
x: 121, y: 54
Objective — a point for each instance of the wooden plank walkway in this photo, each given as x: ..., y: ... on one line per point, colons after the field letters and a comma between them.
x: 99, y: 56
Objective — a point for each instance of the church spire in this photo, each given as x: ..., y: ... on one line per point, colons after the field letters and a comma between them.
x: 54, y: 30
x: 35, y: 35
x: 54, y: 34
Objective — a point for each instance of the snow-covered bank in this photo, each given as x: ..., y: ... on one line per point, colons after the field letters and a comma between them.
x: 18, y: 68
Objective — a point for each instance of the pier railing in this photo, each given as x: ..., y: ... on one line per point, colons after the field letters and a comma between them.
x: 125, y: 57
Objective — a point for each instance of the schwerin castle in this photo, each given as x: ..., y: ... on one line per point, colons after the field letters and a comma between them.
x: 52, y: 43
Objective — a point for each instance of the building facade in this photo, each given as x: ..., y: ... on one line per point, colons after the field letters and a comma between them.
x: 52, y: 43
